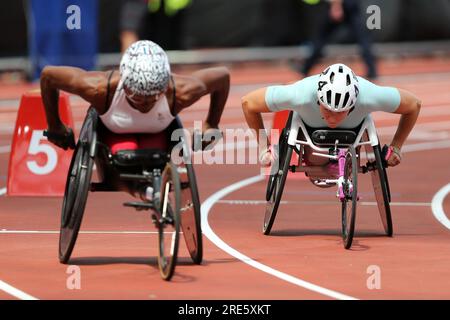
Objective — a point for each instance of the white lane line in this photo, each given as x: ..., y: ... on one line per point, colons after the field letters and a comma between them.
x: 7, y: 287
x: 5, y: 231
x: 14, y: 103
x: 437, y: 206
x: 5, y: 149
x: 426, y: 146
x: 15, y: 292
x: 421, y: 131
x: 367, y: 203
x: 209, y: 233
x: 252, y: 144
x: 229, y: 146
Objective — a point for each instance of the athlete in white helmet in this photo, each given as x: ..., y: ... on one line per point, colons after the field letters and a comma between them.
x: 336, y: 98
x: 144, y: 97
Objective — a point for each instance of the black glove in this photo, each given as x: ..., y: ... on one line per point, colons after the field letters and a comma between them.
x: 63, y: 141
x: 207, y: 140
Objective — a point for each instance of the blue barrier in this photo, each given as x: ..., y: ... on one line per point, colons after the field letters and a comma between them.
x: 62, y: 32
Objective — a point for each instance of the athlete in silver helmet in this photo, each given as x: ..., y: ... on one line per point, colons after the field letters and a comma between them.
x: 143, y: 97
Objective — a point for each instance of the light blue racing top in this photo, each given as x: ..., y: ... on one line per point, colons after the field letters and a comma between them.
x: 302, y: 98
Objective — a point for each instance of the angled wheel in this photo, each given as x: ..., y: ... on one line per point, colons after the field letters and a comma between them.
x: 350, y: 200
x: 276, y: 183
x: 282, y: 146
x: 382, y: 193
x: 169, y: 221
x: 77, y: 187
x: 190, y: 213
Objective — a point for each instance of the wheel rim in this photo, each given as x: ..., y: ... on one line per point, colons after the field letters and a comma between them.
x: 272, y: 204
x: 169, y: 223
x: 190, y: 214
x: 380, y: 187
x: 168, y: 238
x: 351, y: 197
x: 72, y: 183
x: 77, y: 188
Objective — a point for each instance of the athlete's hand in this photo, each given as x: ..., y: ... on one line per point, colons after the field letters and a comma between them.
x: 268, y: 156
x: 211, y: 136
x: 62, y: 137
x: 207, y: 140
x: 393, y: 156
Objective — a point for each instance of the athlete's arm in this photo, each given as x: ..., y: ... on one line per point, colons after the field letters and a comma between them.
x: 253, y: 104
x: 216, y: 83
x: 409, y: 109
x: 393, y: 100
x: 73, y: 80
x: 212, y: 81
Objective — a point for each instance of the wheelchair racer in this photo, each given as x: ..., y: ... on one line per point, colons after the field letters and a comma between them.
x: 336, y: 98
x: 142, y: 98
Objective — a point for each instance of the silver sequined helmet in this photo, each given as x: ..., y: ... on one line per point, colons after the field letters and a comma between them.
x: 145, y: 69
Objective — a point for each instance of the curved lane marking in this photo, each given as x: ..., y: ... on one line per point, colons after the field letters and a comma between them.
x: 437, y: 206
x: 209, y: 233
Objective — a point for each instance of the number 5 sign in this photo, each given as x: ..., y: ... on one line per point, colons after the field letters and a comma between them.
x: 37, y: 147
x: 37, y: 167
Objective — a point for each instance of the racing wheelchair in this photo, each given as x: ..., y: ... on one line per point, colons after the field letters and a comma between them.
x: 174, y: 204
x: 341, y: 150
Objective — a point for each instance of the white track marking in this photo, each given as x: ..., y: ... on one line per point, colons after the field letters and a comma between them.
x: 5, y: 231
x: 209, y: 233
x: 10, y: 289
x: 367, y: 203
x: 252, y: 144
x: 15, y: 292
x: 5, y: 149
x: 426, y: 146
x: 437, y: 206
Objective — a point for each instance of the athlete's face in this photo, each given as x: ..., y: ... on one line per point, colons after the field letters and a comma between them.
x: 140, y: 102
x: 333, y: 119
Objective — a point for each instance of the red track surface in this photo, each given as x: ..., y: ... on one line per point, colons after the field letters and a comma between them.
x: 305, y: 244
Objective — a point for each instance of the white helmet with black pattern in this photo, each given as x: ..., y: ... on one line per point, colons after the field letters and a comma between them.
x: 145, y: 68
x: 338, y: 88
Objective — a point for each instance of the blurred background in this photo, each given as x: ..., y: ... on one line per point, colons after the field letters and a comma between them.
x: 35, y: 32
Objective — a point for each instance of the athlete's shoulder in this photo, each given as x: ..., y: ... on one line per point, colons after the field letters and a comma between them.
x: 309, y: 83
x: 302, y: 86
x: 187, y: 84
x: 376, y: 97
x: 294, y: 95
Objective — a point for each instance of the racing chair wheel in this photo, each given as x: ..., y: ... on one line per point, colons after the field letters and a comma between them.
x: 169, y: 221
x: 382, y: 193
x: 77, y: 186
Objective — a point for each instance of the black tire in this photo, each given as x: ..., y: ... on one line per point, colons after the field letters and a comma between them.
x: 278, y: 180
x: 190, y: 214
x: 350, y: 188
x: 77, y: 187
x: 169, y: 223
x: 382, y: 193
x: 282, y: 146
